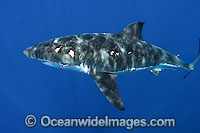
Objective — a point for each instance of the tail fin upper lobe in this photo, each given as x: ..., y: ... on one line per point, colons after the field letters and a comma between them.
x: 191, y: 66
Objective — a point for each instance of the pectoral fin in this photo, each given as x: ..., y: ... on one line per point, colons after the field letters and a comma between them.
x: 107, y: 84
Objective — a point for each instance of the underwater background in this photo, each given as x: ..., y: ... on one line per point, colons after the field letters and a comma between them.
x: 29, y: 87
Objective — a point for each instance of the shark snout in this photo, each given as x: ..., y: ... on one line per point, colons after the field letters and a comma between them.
x: 25, y: 52
x: 33, y: 52
x: 29, y: 52
x: 40, y: 52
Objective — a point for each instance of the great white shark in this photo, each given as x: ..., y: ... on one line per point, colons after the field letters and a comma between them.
x: 104, y: 55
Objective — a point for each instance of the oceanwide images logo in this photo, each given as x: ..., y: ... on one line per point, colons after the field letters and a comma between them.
x: 30, y: 121
x: 128, y: 123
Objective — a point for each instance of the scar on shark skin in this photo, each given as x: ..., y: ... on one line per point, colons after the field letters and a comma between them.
x: 105, y: 55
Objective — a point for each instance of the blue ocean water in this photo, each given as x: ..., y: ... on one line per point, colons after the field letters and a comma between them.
x: 29, y: 87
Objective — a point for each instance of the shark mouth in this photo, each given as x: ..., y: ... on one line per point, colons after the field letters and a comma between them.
x: 56, y: 65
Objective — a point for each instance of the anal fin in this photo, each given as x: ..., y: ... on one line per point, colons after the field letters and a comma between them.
x: 108, y: 86
x: 156, y: 71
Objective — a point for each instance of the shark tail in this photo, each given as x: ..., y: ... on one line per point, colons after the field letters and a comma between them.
x: 191, y: 66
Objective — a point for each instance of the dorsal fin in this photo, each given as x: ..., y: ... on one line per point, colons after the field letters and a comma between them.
x: 134, y: 30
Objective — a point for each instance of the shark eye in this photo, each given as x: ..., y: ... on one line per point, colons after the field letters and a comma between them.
x: 69, y: 50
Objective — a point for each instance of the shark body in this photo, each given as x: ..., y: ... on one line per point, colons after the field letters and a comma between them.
x: 104, y: 55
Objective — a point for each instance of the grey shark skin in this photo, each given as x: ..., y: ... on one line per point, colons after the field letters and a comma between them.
x: 104, y: 55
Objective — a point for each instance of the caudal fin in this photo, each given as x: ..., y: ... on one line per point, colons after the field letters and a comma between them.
x: 191, y: 66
